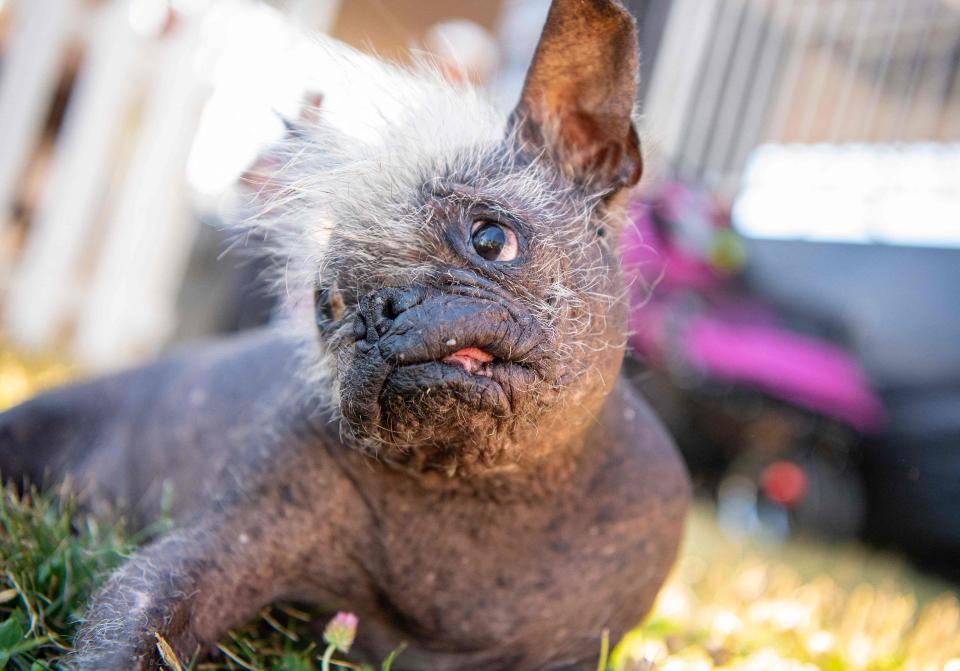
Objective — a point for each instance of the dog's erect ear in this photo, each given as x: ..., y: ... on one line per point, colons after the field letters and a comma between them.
x: 577, y: 102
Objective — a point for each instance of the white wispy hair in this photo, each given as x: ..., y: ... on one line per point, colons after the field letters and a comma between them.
x: 354, y: 165
x: 349, y: 182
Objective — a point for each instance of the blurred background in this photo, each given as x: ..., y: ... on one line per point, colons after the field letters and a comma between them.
x: 795, y: 242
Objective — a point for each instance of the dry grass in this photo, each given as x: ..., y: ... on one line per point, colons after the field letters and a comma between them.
x: 21, y: 377
x: 802, y: 605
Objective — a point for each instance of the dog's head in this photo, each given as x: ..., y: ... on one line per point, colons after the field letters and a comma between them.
x: 467, y: 290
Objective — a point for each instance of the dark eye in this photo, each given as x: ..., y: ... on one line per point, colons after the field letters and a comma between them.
x: 494, y: 242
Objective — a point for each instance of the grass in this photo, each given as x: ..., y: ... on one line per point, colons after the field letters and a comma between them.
x: 727, y: 605
x: 52, y: 558
x: 49, y: 570
x: 746, y: 606
x: 730, y: 603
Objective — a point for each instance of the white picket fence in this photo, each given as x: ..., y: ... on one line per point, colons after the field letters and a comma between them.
x: 109, y: 237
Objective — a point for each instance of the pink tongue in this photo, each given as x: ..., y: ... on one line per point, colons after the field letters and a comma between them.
x: 470, y: 359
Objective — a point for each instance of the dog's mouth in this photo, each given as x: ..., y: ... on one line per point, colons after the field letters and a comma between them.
x: 488, y: 377
x: 471, y: 359
x: 420, y: 352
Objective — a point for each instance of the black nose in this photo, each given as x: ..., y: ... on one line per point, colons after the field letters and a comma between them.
x: 380, y: 308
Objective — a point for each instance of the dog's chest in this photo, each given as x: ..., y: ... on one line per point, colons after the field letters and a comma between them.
x: 475, y: 575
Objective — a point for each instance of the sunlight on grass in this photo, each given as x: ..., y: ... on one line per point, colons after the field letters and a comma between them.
x: 21, y: 377
x: 803, y: 605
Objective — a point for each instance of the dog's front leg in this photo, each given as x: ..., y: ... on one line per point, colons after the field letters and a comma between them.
x: 189, y: 588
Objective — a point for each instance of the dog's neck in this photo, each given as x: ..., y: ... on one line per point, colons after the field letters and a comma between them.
x: 555, y: 458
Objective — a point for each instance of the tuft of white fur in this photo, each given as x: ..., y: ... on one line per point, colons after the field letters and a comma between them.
x: 354, y: 166
x: 363, y: 190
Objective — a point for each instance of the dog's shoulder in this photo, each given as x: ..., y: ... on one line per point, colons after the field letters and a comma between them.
x: 114, y: 426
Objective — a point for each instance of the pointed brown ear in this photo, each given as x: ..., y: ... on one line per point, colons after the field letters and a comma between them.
x: 577, y: 102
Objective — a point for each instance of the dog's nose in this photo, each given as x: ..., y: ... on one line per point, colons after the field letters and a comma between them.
x: 380, y: 308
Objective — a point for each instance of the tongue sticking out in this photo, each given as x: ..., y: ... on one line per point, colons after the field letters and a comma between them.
x: 471, y: 359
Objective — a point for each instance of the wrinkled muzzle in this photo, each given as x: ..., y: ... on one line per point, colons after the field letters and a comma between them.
x: 420, y: 353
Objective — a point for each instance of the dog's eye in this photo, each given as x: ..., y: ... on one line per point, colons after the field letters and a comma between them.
x: 494, y: 242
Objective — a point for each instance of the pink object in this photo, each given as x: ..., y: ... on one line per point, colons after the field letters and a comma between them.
x: 684, y: 311
x: 341, y: 631
x: 796, y: 368
x: 645, y: 254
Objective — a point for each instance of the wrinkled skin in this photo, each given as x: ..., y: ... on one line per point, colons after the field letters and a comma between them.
x: 517, y: 571
x: 486, y: 488
x: 401, y: 358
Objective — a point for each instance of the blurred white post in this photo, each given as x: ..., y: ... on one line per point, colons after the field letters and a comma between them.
x: 673, y: 85
x: 762, y: 94
x: 740, y: 83
x: 130, y: 308
x: 131, y: 305
x: 38, y: 37
x: 712, y: 87
x: 44, y: 288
